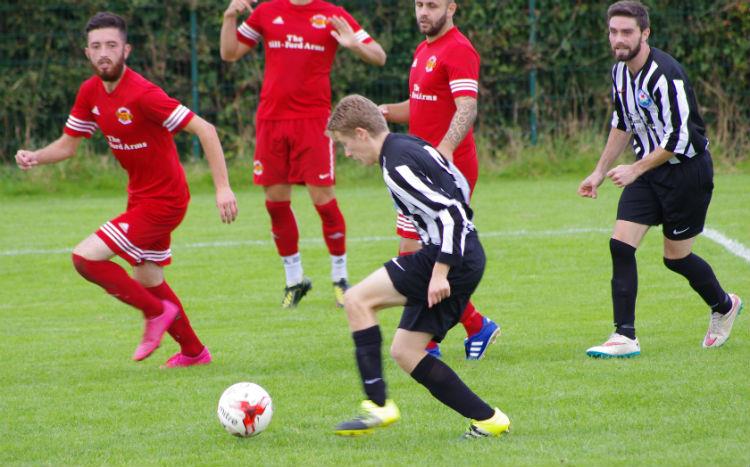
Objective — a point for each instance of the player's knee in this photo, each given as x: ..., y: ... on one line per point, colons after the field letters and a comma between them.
x: 620, y: 249
x: 80, y: 263
x: 398, y: 353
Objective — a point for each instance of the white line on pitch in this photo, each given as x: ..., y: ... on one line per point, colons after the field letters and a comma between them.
x: 312, y: 241
x: 731, y: 245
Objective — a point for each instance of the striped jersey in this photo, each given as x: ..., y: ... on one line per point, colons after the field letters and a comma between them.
x: 442, y: 70
x: 430, y: 192
x: 299, y: 53
x: 138, y: 120
x: 658, y: 106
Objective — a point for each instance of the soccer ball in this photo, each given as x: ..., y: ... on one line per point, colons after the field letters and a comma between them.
x: 245, y: 409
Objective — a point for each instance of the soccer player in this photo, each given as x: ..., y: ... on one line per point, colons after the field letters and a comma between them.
x: 291, y: 147
x: 433, y: 285
x: 441, y: 109
x: 138, y: 120
x: 670, y: 183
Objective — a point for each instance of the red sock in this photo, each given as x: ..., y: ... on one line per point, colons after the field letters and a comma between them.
x: 283, y: 227
x: 472, y: 320
x: 116, y: 281
x: 180, y: 330
x: 334, y: 227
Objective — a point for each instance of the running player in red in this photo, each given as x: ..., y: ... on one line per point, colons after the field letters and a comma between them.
x: 138, y: 120
x: 441, y: 109
x: 301, y: 38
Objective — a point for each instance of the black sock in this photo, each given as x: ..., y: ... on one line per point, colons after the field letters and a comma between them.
x: 448, y: 388
x: 624, y: 286
x: 367, y: 344
x: 703, y: 280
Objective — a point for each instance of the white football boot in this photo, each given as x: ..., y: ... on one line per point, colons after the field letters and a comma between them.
x: 617, y: 346
x: 720, y: 325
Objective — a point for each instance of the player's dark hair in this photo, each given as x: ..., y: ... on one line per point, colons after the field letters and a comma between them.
x: 355, y: 111
x: 630, y: 9
x: 105, y: 19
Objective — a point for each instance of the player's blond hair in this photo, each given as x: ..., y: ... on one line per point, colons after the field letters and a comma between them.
x: 355, y: 111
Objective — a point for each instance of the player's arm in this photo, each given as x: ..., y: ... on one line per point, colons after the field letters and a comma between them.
x: 63, y: 148
x: 225, y: 199
x: 624, y: 175
x: 230, y: 48
x: 396, y: 113
x: 462, y: 121
x: 371, y: 52
x: 616, y: 142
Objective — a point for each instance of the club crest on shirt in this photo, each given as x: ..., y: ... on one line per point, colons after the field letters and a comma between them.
x: 431, y: 63
x: 257, y: 167
x: 319, y: 21
x: 124, y: 116
x: 644, y: 100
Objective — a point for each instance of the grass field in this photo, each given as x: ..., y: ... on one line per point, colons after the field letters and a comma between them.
x: 72, y: 396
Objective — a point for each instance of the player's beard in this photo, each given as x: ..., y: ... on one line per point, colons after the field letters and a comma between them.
x: 629, y: 56
x: 115, y: 70
x: 436, y: 27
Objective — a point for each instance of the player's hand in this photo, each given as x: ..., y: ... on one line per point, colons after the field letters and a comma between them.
x: 343, y: 32
x: 26, y: 159
x: 588, y: 187
x: 439, y: 289
x: 227, y: 204
x: 624, y: 175
x: 237, y: 7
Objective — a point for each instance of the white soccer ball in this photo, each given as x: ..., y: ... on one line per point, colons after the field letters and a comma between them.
x: 245, y: 409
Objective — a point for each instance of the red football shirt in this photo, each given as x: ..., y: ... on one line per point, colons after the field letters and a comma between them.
x: 441, y: 71
x: 299, y: 52
x: 138, y: 120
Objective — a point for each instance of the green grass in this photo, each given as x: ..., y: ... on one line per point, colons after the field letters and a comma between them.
x: 72, y: 396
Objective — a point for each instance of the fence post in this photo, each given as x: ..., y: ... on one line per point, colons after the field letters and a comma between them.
x: 532, y: 72
x: 194, y: 71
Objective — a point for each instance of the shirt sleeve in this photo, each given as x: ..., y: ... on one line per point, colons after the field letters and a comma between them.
x: 81, y: 121
x: 164, y: 110
x: 360, y: 34
x: 462, y: 67
x: 250, y: 32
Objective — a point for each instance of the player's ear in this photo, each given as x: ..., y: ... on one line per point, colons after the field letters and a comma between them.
x: 128, y: 48
x: 452, y: 6
x: 646, y: 33
x: 361, y: 134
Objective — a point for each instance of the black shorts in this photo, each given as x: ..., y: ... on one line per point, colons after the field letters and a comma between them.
x: 674, y: 195
x: 411, y: 277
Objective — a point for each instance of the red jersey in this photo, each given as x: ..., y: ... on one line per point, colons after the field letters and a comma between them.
x: 299, y: 52
x: 441, y: 71
x: 138, y: 120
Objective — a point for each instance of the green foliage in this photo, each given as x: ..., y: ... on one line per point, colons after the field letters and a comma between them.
x: 42, y: 64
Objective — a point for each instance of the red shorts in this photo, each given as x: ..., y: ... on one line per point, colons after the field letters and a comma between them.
x: 293, y: 152
x: 469, y: 167
x: 143, y: 233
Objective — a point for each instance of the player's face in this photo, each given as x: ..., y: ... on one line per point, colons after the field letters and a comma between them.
x: 625, y: 37
x: 357, y: 146
x: 107, y: 51
x: 432, y: 15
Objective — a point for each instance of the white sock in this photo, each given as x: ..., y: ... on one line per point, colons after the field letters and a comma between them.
x: 338, y: 268
x: 293, y: 269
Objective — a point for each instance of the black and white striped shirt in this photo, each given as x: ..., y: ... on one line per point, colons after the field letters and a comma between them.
x: 658, y: 106
x: 430, y: 191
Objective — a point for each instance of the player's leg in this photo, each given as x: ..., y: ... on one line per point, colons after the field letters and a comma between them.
x: 192, y: 351
x: 334, y: 234
x: 361, y: 303
x: 313, y: 162
x: 445, y: 385
x: 271, y: 170
x: 686, y: 207
x: 625, y: 240
x: 286, y: 236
